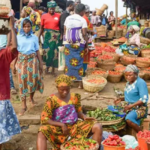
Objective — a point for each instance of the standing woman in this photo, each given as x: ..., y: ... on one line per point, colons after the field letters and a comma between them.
x: 111, y: 18
x: 76, y: 44
x: 30, y: 65
x: 50, y: 27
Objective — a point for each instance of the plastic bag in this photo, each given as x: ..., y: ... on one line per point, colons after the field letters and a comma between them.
x: 130, y: 141
x: 5, y: 7
x: 61, y: 59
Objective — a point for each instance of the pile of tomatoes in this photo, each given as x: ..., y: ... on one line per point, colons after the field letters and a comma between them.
x: 92, y: 64
x: 114, y: 73
x: 109, y: 49
x: 105, y: 57
x: 114, y: 140
x: 145, y: 134
x: 98, y: 72
x: 96, y: 81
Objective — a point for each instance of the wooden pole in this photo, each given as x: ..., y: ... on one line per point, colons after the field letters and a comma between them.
x: 116, y: 18
x: 21, y: 5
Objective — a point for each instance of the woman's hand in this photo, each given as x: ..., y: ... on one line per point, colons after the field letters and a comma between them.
x: 65, y: 129
x: 127, y: 108
x: 117, y: 101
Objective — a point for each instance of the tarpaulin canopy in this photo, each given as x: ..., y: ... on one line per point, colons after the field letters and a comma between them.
x: 143, y: 5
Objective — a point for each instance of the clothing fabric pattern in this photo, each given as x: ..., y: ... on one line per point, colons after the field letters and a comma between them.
x: 29, y: 77
x: 11, y: 80
x: 74, y: 62
x: 9, y: 124
x: 54, y: 134
x: 51, y: 44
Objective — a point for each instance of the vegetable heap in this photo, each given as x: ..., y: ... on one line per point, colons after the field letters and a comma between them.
x: 96, y: 81
x: 102, y: 115
x: 105, y: 57
x: 80, y: 144
x: 145, y: 134
x: 114, y: 140
x: 99, y: 72
x: 109, y: 49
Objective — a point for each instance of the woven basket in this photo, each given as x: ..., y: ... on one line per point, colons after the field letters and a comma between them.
x: 145, y: 40
x: 146, y: 75
x: 114, y: 78
x: 104, y: 123
x: 116, y: 56
x: 96, y: 147
x: 145, y: 53
x: 111, y: 34
x: 116, y: 69
x: 142, y: 65
x: 91, y: 87
x: 125, y: 61
x: 106, y: 65
x: 113, y: 130
x: 141, y: 74
x: 89, y: 73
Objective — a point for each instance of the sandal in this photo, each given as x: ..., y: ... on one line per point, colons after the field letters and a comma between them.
x: 23, y: 111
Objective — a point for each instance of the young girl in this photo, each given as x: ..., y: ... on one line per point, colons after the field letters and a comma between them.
x: 30, y: 67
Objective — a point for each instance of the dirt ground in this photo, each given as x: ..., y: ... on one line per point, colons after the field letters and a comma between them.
x: 27, y: 139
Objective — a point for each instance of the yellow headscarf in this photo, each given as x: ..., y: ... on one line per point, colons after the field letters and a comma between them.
x: 63, y: 80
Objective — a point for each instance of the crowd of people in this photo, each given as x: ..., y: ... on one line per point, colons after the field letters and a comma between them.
x: 39, y: 34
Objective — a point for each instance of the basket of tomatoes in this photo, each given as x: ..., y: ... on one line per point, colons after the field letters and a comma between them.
x: 105, y: 58
x: 114, y: 142
x: 80, y: 144
x: 120, y: 68
x: 143, y: 62
x: 145, y: 52
x: 114, y: 76
x: 128, y: 59
x: 94, y: 84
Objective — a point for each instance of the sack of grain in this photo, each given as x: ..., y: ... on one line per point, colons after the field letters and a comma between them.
x: 5, y: 7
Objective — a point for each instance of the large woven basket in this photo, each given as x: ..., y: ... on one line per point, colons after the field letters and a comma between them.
x: 106, y: 65
x: 145, y: 40
x: 92, y: 87
x: 125, y: 60
x: 111, y: 122
x: 114, y: 78
x: 142, y: 64
x: 105, y: 75
x: 145, y: 53
x: 95, y: 148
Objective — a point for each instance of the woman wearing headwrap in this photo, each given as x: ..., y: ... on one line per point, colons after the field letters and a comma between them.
x: 35, y: 26
x: 133, y: 45
x: 60, y: 115
x: 29, y: 64
x: 135, y: 98
x: 50, y: 27
x: 76, y: 44
x: 111, y: 18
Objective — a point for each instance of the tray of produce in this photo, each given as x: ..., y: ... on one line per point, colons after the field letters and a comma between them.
x: 80, y: 144
x: 105, y: 116
x: 115, y: 128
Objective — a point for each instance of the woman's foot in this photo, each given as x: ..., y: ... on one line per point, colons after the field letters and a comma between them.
x: 33, y: 103
x: 23, y: 111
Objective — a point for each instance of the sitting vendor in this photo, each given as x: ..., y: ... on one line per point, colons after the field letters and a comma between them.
x: 60, y: 118
x: 134, y: 44
x: 136, y: 98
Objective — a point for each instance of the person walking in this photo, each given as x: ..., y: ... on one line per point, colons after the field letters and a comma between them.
x: 50, y: 27
x: 30, y: 66
x: 75, y: 46
x: 9, y: 124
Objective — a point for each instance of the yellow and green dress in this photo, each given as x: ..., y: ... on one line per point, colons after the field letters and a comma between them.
x: 61, y: 111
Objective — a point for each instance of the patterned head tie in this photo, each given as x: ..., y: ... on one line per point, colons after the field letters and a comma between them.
x: 27, y: 9
x: 33, y: 15
x: 132, y: 68
x: 51, y: 4
x: 63, y: 80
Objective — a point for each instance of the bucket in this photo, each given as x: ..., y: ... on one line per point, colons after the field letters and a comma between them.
x: 142, y: 143
x: 113, y: 147
x: 104, y: 7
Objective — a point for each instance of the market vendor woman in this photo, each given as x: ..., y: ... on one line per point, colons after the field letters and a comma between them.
x: 60, y: 118
x: 136, y: 98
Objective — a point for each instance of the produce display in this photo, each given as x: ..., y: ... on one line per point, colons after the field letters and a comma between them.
x: 109, y: 49
x: 145, y: 134
x: 114, y: 140
x: 120, y: 68
x: 114, y: 73
x: 99, y: 72
x: 114, y: 127
x: 143, y: 59
x: 96, y: 81
x: 92, y: 64
x: 80, y: 144
x: 105, y: 57
x: 102, y: 115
